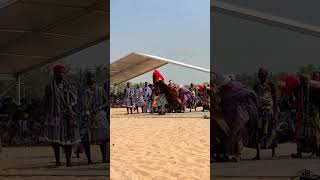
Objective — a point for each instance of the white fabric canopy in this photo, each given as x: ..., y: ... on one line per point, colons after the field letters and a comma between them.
x: 136, y: 64
x: 232, y: 9
x: 37, y: 32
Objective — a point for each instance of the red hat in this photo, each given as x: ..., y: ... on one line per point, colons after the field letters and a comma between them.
x: 58, y: 68
x: 200, y: 87
x: 291, y: 83
x: 157, y: 76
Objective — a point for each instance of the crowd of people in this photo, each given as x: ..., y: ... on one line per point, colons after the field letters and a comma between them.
x: 76, y: 118
x: 161, y: 97
x: 69, y: 117
x: 20, y: 125
x: 265, y: 115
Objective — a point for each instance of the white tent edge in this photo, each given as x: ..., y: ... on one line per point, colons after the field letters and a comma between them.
x: 165, y: 60
x: 170, y: 61
x: 264, y: 18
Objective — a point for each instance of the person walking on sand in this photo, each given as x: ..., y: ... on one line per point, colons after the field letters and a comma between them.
x: 60, y: 125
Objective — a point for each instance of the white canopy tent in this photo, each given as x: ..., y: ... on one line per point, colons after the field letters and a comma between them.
x: 136, y: 64
x: 34, y: 33
x: 231, y: 9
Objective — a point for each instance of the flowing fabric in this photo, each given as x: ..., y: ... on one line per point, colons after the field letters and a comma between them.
x: 184, y: 95
x: 239, y: 107
x: 170, y: 93
x: 157, y: 76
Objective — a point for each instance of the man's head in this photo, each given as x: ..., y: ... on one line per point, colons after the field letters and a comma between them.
x: 138, y: 86
x: 59, y: 71
x: 146, y: 84
x: 263, y: 74
x: 90, y: 78
x: 128, y: 84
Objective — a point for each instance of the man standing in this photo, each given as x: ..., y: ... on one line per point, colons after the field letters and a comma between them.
x: 60, y: 125
x: 267, y: 104
x: 146, y: 97
x: 193, y: 100
x: 139, y: 100
x: 93, y: 116
x: 129, y: 93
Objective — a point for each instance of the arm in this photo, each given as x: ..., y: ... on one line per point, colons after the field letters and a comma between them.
x: 315, y: 84
x: 274, y: 97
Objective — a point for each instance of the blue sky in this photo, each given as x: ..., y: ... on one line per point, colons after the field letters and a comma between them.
x: 179, y: 30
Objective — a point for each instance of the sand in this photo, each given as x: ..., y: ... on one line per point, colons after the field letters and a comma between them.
x: 283, y: 167
x: 174, y: 146
x: 38, y: 163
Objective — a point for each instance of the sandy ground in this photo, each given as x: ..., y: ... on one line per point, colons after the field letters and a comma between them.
x: 38, y: 163
x: 173, y: 146
x: 283, y: 167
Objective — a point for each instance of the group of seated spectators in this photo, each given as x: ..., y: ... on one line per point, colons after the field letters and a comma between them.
x: 20, y: 125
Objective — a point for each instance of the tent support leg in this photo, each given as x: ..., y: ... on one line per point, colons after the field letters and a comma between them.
x: 18, y: 80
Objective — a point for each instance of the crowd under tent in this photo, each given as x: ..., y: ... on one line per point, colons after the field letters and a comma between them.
x: 136, y: 64
x: 34, y: 33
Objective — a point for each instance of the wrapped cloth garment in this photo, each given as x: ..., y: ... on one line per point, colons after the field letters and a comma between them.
x: 308, y: 111
x: 147, y: 93
x: 239, y: 107
x: 129, y: 100
x: 184, y: 95
x: 139, y: 100
x: 94, y: 125
x: 193, y: 99
x: 60, y: 124
x: 266, y: 125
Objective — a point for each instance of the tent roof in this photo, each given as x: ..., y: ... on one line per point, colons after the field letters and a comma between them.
x: 251, y: 14
x: 37, y: 32
x: 136, y: 64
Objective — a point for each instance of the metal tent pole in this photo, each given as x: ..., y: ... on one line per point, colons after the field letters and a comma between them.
x: 18, y: 80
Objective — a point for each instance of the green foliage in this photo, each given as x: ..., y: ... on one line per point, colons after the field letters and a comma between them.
x: 34, y: 82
